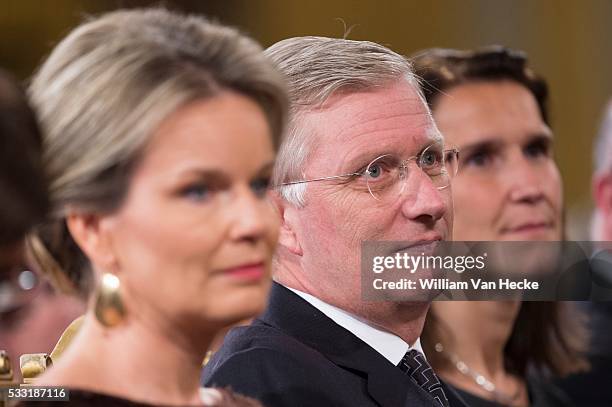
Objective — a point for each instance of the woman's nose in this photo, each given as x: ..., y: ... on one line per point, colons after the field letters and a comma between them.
x: 249, y: 215
x: 524, y: 181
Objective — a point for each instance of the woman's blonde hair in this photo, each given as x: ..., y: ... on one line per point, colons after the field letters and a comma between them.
x: 105, y: 89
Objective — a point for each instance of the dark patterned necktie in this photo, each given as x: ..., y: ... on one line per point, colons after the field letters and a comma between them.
x: 414, y: 365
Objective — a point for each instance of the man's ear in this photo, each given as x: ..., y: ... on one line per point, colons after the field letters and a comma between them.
x: 602, y: 193
x: 287, y: 237
x: 93, y: 238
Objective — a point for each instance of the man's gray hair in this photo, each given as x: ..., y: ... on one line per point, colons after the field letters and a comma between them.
x: 317, y: 68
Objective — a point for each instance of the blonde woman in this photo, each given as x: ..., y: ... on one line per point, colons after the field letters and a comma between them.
x: 160, y: 132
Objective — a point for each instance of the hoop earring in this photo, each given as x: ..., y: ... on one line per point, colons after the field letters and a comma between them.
x: 109, y: 309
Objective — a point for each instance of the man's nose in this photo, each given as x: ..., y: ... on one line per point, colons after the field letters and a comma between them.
x: 422, y: 200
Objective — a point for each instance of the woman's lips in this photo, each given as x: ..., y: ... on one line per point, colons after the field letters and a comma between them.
x: 246, y: 272
x: 529, y: 228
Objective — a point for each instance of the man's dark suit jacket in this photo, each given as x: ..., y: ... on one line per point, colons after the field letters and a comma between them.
x: 294, y: 355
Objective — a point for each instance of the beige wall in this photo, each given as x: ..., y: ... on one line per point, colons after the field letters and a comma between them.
x: 569, y: 42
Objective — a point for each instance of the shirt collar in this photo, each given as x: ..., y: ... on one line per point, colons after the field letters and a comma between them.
x: 389, y: 345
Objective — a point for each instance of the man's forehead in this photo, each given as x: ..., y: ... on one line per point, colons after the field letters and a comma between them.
x: 392, y: 114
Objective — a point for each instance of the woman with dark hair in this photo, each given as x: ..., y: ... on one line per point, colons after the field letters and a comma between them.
x: 160, y: 136
x: 491, y: 106
x: 23, y: 188
x: 32, y: 316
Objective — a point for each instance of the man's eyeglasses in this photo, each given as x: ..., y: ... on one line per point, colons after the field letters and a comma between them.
x: 383, y: 177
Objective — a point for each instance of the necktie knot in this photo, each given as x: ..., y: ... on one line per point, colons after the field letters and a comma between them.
x: 416, y: 367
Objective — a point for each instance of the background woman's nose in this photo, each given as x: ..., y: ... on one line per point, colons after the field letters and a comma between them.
x: 524, y: 182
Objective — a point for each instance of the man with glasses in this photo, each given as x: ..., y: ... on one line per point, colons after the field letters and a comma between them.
x: 362, y: 161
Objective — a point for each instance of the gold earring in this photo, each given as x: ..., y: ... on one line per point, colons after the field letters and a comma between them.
x: 109, y: 309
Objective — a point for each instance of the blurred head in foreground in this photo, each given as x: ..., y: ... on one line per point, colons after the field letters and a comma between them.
x: 160, y: 138
x: 31, y: 315
x: 23, y: 188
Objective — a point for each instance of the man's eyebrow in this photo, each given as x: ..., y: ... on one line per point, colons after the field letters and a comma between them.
x: 362, y: 159
x: 434, y: 135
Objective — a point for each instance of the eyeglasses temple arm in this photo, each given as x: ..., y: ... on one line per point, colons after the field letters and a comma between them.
x: 284, y: 184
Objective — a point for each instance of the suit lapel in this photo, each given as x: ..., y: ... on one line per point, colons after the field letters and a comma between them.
x: 386, y: 383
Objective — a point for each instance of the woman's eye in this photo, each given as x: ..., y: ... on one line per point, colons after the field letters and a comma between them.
x: 478, y: 159
x: 260, y: 186
x: 197, y: 193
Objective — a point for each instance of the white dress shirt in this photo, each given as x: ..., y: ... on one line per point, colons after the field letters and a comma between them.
x: 391, y: 346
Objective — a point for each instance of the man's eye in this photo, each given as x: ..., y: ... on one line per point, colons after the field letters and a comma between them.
x: 430, y: 159
x: 374, y: 170
x: 260, y: 186
x: 197, y: 193
x: 381, y: 167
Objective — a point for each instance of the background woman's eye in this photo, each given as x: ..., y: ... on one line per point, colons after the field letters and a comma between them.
x: 538, y: 148
x: 197, y: 192
x: 478, y: 159
x: 260, y: 186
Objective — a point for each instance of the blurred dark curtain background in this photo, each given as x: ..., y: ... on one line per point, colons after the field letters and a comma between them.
x: 569, y: 42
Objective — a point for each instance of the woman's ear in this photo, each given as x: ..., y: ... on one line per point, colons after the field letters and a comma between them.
x: 287, y: 236
x: 91, y: 233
